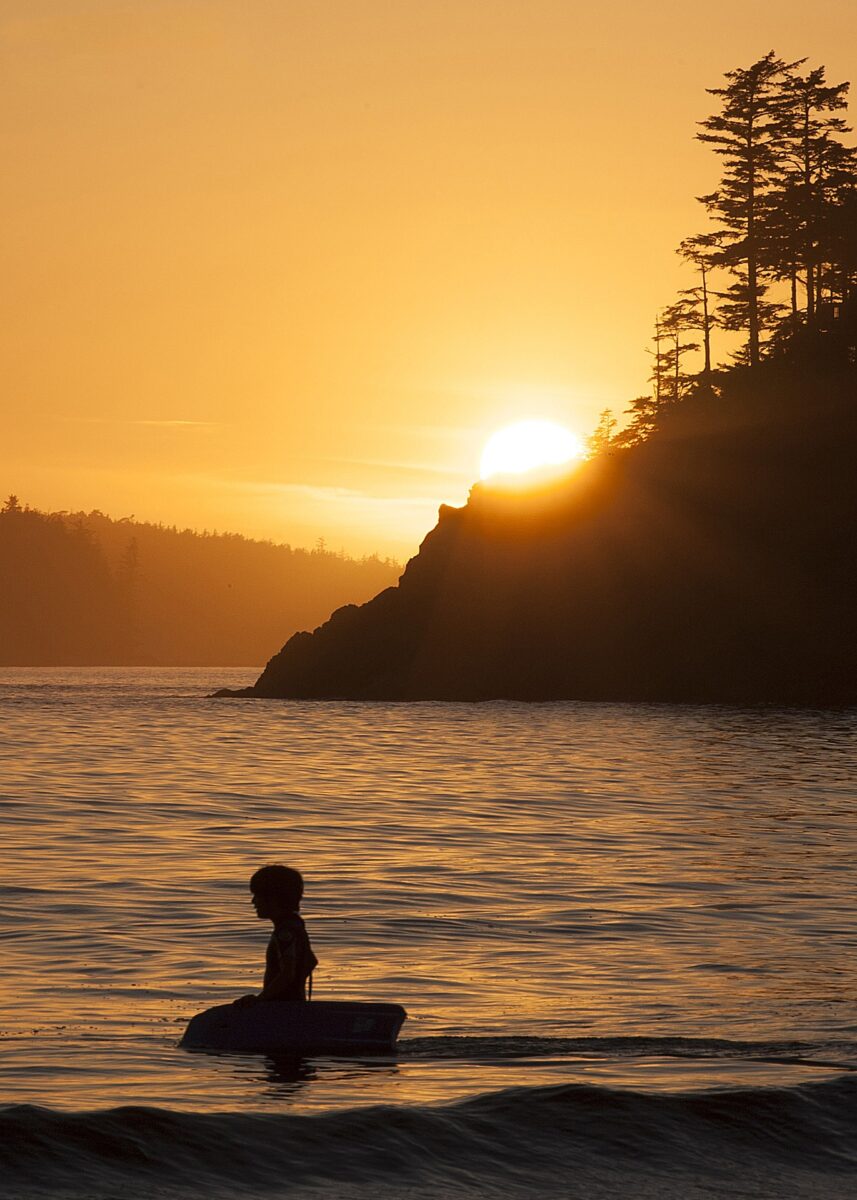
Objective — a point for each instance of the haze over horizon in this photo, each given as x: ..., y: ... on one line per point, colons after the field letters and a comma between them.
x: 283, y: 269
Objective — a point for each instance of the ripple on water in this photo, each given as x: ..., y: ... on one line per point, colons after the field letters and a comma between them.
x: 501, y: 869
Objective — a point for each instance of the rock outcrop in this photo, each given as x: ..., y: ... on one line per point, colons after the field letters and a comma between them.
x: 716, y: 561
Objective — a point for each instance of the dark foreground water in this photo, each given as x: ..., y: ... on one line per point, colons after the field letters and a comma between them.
x: 626, y: 937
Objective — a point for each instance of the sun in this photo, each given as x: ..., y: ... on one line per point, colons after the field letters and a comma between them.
x: 527, y: 445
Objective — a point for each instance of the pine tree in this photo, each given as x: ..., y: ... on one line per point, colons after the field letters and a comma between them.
x: 677, y: 320
x: 840, y: 244
x: 643, y: 412
x: 699, y: 251
x: 662, y: 365
x: 817, y: 168
x: 735, y: 303
x: 749, y: 134
x: 784, y: 256
x: 602, y: 436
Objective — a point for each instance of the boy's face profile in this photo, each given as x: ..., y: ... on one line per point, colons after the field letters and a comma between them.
x: 262, y: 905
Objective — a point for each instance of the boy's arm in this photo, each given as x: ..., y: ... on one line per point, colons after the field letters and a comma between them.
x: 280, y: 979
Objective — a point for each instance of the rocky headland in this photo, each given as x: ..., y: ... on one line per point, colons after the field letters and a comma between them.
x: 715, y: 561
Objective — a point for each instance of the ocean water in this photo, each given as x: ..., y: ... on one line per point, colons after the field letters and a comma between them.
x: 625, y: 935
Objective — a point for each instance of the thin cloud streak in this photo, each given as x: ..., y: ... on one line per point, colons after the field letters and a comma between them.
x: 334, y: 494
x: 150, y: 423
x: 425, y: 470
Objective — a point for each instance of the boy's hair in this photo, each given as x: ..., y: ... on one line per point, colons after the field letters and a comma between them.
x: 280, y: 883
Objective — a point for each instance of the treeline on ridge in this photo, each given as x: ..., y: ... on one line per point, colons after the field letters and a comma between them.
x: 777, y: 265
x: 84, y: 589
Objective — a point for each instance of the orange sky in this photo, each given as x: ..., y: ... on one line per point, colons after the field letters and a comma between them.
x: 281, y: 266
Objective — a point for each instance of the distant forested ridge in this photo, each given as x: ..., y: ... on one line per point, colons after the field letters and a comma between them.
x: 84, y: 589
x: 705, y: 552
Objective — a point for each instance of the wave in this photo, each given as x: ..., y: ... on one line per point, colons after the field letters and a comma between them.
x: 536, y: 1138
x: 839, y: 1054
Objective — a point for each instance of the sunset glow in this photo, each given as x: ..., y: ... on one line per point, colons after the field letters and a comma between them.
x: 526, y: 446
x: 428, y: 600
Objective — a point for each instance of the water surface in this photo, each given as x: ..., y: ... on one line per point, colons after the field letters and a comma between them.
x: 653, y: 898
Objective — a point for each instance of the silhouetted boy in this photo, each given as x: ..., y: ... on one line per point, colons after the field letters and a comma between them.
x: 289, y: 960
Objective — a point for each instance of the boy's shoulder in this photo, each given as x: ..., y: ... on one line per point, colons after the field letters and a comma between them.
x: 289, y: 928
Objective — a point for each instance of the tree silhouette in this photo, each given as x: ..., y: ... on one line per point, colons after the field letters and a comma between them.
x: 749, y: 133
x: 662, y: 365
x: 816, y: 168
x: 699, y: 251
x: 643, y: 411
x: 677, y: 320
x: 736, y: 303
x: 602, y: 435
x: 841, y: 241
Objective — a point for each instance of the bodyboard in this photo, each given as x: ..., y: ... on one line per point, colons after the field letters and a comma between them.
x: 320, y: 1026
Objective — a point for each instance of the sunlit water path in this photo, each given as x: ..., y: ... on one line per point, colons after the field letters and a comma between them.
x: 644, y: 897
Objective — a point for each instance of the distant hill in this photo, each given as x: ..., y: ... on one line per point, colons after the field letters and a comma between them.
x: 83, y: 589
x: 714, y: 561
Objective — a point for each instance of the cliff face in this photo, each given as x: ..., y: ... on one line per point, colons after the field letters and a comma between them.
x: 715, y: 562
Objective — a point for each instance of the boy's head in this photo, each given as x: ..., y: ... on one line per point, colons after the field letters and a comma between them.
x: 276, y: 889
